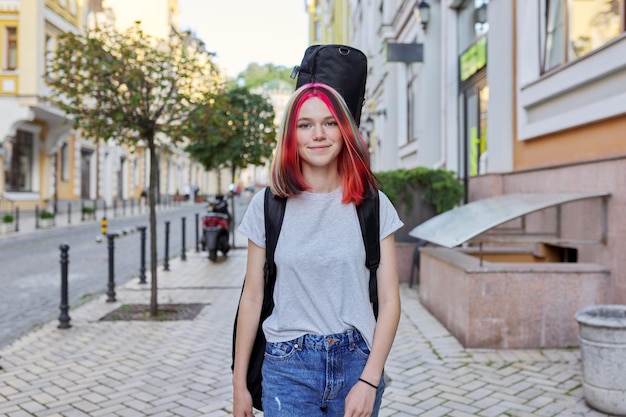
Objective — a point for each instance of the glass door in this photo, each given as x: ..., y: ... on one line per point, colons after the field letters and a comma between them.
x: 474, y: 160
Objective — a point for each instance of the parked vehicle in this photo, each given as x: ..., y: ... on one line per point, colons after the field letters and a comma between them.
x: 216, y: 228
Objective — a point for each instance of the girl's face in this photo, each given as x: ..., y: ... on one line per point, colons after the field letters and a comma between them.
x: 318, y: 135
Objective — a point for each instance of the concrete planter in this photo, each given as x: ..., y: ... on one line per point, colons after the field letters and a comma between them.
x: 603, y: 351
x: 420, y: 212
x: 7, y: 228
x: 46, y: 223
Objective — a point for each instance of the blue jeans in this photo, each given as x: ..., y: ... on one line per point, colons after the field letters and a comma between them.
x: 312, y: 375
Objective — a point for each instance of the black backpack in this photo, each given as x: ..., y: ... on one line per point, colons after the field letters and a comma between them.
x: 369, y: 220
x: 342, y: 67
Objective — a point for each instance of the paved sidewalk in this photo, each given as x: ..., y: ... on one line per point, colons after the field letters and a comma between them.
x: 182, y: 368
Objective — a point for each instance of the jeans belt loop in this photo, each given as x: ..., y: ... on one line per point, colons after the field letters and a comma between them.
x: 352, y: 339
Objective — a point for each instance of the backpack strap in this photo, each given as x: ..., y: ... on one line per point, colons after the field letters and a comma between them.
x: 369, y: 219
x: 274, y: 212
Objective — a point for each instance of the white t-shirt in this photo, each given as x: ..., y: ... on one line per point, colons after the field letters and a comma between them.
x: 322, y: 284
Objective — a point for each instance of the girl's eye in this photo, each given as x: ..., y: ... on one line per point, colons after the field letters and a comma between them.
x: 303, y: 125
x: 331, y: 124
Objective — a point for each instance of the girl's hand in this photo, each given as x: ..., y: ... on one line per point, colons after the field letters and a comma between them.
x: 360, y: 401
x: 242, y: 403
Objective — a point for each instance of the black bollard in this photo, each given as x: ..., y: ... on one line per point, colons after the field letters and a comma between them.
x: 197, y: 229
x: 142, y: 265
x: 82, y: 210
x: 183, y: 255
x: 166, y: 261
x: 36, y: 217
x: 17, y: 219
x: 111, y: 284
x: 64, y: 317
x: 69, y: 213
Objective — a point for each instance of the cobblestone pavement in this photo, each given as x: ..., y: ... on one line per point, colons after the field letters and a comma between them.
x: 182, y: 368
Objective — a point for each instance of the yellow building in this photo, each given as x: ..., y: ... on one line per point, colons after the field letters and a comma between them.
x: 39, y: 148
x: 328, y: 21
x: 46, y: 163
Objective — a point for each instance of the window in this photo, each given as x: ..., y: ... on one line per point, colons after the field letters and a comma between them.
x: 412, y: 110
x: 20, y: 161
x: 65, y: 162
x: 11, y: 45
x: 574, y: 28
x: 318, y: 30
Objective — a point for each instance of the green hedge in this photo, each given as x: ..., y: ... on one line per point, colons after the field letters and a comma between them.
x: 45, y: 214
x: 8, y: 218
x: 441, y: 188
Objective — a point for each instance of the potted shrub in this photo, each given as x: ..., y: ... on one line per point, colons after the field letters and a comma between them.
x: 46, y: 219
x: 87, y: 213
x: 419, y: 194
x: 6, y: 225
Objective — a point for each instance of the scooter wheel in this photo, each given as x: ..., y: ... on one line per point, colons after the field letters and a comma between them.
x: 213, y: 255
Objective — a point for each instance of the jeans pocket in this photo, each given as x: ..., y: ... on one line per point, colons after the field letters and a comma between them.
x: 362, y: 349
x: 279, y: 351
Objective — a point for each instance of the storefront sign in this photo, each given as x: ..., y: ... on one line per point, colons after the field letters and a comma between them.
x: 405, y: 52
x: 473, y: 59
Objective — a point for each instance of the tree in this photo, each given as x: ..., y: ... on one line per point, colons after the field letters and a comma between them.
x: 237, y: 131
x: 256, y: 75
x: 132, y: 89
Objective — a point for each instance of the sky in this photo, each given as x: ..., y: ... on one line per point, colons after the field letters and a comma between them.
x: 245, y: 31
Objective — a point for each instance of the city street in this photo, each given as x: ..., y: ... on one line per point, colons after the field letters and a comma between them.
x: 182, y: 368
x: 31, y: 271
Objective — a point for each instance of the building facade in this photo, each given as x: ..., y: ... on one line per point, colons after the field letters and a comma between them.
x: 513, y: 96
x: 44, y: 160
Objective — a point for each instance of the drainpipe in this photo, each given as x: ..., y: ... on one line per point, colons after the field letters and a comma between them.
x: 444, y: 86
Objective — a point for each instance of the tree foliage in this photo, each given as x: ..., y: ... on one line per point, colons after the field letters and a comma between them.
x: 130, y: 88
x: 256, y: 75
x: 236, y: 131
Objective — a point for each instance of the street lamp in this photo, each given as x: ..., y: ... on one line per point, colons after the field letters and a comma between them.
x: 422, y: 11
x: 480, y: 14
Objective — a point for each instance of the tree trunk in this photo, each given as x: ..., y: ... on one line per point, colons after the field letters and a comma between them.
x: 152, y: 193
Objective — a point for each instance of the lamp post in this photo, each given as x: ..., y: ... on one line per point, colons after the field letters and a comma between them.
x: 422, y: 12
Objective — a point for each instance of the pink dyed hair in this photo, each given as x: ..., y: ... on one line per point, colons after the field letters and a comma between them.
x: 286, y: 178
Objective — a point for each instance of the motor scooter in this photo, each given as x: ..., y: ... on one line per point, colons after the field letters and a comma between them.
x: 216, y: 228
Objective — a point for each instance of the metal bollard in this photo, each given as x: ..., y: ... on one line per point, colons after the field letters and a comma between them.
x: 64, y: 317
x: 36, y: 217
x: 111, y: 283
x: 183, y: 255
x: 142, y: 265
x: 166, y: 261
x: 82, y: 210
x: 103, y: 226
x: 197, y: 229
x: 69, y: 213
x: 17, y: 219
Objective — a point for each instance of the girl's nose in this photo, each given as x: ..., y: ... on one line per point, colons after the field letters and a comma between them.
x: 318, y: 132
